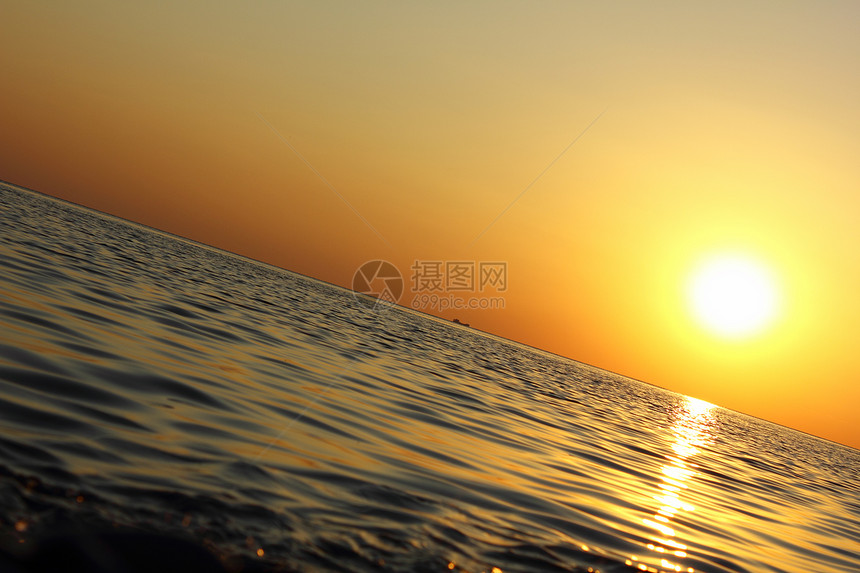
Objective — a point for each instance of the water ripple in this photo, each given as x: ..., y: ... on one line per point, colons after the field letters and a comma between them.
x: 150, y: 381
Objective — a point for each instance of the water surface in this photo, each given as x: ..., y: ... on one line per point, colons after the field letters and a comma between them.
x: 147, y: 380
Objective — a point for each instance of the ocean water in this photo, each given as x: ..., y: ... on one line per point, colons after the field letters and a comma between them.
x: 153, y: 382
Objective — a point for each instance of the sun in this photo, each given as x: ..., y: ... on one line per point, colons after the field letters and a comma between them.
x: 733, y: 296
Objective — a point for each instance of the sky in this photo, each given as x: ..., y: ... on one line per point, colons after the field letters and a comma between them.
x: 600, y: 150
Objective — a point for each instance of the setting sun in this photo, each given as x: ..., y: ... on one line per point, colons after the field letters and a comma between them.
x: 733, y: 296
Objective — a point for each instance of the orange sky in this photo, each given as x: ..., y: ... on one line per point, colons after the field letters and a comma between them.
x: 722, y: 128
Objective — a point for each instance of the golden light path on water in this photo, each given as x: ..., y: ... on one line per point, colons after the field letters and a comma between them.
x: 691, y: 430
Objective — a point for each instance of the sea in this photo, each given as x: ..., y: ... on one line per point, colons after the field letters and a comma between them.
x: 152, y: 383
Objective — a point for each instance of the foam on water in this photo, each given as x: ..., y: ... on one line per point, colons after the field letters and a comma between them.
x: 150, y: 381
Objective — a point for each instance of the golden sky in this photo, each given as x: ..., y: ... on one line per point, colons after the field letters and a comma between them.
x: 722, y: 128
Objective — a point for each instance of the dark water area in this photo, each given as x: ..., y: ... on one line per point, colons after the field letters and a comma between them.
x: 153, y: 383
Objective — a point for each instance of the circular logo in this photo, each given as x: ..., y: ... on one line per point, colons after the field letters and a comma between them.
x: 380, y: 281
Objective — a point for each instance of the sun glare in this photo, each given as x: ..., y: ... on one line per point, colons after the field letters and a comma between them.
x: 733, y: 296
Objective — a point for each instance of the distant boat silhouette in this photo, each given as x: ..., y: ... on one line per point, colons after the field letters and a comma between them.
x: 457, y: 321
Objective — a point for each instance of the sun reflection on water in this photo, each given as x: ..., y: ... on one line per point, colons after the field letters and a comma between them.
x: 692, y: 429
